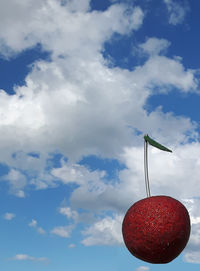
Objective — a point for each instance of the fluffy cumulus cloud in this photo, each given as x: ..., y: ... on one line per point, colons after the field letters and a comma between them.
x: 69, y: 213
x: 62, y: 27
x: 63, y: 104
x: 72, y: 217
x: 169, y: 172
x: 78, y: 104
x: 177, y: 11
x: 154, y: 46
x: 17, y: 181
x: 107, y: 231
x: 95, y: 193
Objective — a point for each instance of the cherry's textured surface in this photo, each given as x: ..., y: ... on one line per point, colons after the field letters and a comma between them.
x: 156, y: 229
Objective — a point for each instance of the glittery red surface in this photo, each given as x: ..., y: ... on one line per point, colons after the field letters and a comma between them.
x: 156, y: 229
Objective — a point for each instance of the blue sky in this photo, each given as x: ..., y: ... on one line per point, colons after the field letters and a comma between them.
x: 81, y: 83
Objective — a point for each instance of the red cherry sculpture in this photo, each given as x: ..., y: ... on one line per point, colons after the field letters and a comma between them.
x: 156, y: 229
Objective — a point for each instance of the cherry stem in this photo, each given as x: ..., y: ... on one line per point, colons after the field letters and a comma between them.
x: 146, y: 168
x: 148, y: 140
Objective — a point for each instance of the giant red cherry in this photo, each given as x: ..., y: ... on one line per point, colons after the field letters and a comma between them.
x: 156, y: 229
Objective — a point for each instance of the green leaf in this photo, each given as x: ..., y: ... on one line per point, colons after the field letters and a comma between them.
x: 156, y: 144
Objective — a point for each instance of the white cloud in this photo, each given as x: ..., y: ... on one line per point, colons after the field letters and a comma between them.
x: 25, y: 257
x: 92, y: 193
x: 34, y: 224
x: 137, y: 18
x: 155, y: 46
x: 169, y: 174
x: 60, y: 28
x: 22, y: 257
x: 75, y: 173
x: 42, y: 179
x: 9, y: 216
x: 104, y: 232
x: 41, y: 230
x: 77, y: 5
x: 76, y: 104
x: 177, y: 11
x: 143, y: 268
x: 86, y: 129
x: 62, y: 86
x: 69, y: 213
x: 17, y: 182
x: 63, y: 231
x: 71, y: 246
x: 161, y: 72
x: 95, y: 194
x: 192, y: 251
x: 192, y: 257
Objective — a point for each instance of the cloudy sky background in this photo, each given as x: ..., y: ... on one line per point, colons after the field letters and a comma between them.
x: 81, y: 83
